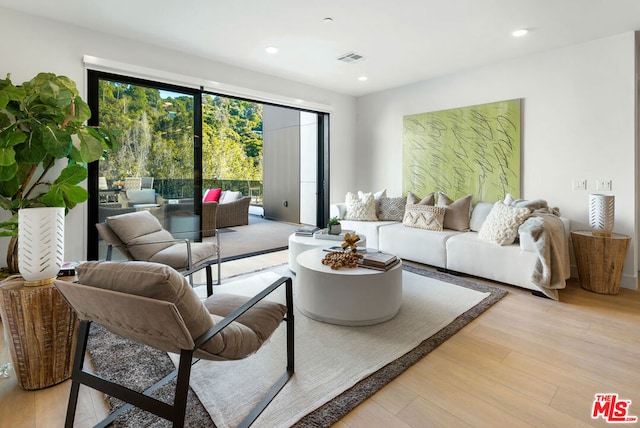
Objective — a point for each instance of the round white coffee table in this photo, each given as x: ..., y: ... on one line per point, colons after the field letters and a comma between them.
x: 299, y: 244
x: 346, y: 296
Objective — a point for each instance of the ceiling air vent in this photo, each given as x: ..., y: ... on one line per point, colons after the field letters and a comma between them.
x: 350, y: 58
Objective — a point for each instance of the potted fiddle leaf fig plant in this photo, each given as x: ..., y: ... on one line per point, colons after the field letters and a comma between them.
x: 45, y: 147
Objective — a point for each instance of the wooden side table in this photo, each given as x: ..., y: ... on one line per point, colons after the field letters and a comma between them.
x: 599, y: 260
x: 41, y: 333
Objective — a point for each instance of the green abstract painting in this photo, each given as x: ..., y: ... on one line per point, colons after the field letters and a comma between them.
x: 468, y: 150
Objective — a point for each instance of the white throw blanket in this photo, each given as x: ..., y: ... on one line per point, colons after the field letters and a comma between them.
x: 547, y: 233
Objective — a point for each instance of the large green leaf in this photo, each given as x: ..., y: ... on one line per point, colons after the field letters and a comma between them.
x: 32, y: 151
x: 72, y: 174
x: 8, y: 188
x: 83, y: 112
x: 7, y: 156
x: 54, y: 197
x: 56, y: 141
x: 10, y: 93
x: 5, y: 203
x: 11, y: 136
x: 75, y: 195
x: 65, y: 195
x: 108, y: 139
x: 90, y: 147
x: 8, y: 172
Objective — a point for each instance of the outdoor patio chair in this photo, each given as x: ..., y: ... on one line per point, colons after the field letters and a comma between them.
x: 146, y: 182
x: 153, y: 304
x: 140, y: 236
x: 132, y: 183
x: 102, y: 183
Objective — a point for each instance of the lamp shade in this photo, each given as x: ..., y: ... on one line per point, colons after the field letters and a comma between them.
x: 40, y: 244
x: 601, y: 214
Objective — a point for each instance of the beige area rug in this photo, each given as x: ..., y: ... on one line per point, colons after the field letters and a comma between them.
x: 336, y: 367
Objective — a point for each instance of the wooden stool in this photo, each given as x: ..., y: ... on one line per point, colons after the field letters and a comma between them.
x: 599, y: 260
x: 41, y: 329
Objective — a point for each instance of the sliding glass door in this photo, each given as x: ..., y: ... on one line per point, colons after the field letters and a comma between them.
x: 155, y: 167
x: 178, y: 142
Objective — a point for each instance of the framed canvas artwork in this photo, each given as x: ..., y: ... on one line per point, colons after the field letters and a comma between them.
x: 468, y: 150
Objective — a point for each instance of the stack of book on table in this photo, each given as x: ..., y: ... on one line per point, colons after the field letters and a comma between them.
x: 378, y: 261
x: 306, y: 230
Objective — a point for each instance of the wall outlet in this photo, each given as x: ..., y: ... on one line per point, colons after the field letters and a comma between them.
x: 579, y: 184
x: 604, y: 185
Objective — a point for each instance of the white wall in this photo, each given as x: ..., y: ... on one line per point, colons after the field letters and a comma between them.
x: 308, y: 167
x: 52, y: 47
x: 578, y: 123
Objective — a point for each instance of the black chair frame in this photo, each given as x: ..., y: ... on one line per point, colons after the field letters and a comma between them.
x: 175, y: 413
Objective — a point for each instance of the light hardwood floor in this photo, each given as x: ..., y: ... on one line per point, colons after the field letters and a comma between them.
x: 527, y: 361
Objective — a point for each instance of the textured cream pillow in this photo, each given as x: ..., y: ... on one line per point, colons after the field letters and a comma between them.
x: 361, y: 208
x: 457, y: 213
x: 501, y: 225
x: 424, y: 217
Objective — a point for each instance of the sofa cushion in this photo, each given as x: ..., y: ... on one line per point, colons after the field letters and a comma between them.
x: 430, y: 199
x: 229, y: 196
x: 501, y: 226
x: 391, y: 209
x: 144, y: 196
x: 468, y: 253
x: 361, y: 207
x: 367, y: 229
x: 419, y: 245
x: 479, y: 215
x: 456, y: 215
x: 424, y: 217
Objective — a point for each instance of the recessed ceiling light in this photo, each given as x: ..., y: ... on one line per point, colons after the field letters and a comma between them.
x: 363, y: 78
x: 328, y: 20
x: 271, y: 49
x: 520, y: 33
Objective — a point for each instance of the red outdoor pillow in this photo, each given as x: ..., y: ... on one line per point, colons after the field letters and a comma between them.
x: 212, y: 195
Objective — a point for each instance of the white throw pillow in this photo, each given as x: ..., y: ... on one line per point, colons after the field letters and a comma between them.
x: 361, y: 208
x: 229, y: 196
x: 501, y: 225
x: 479, y: 215
x: 376, y: 195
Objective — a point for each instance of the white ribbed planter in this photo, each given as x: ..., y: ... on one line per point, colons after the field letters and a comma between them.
x: 40, y: 244
x: 601, y: 214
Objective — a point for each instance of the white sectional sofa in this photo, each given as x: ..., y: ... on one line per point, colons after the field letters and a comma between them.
x: 465, y: 252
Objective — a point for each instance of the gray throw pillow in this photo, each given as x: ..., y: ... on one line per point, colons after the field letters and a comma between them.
x: 390, y: 209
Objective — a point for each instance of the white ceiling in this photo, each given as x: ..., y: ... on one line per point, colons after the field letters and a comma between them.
x: 403, y: 41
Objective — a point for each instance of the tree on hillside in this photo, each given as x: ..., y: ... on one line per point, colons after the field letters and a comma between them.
x: 157, y: 134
